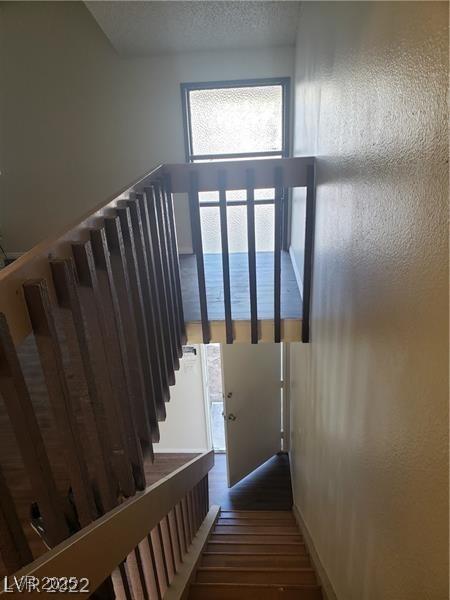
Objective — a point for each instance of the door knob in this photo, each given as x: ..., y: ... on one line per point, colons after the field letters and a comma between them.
x: 231, y: 417
x: 229, y: 394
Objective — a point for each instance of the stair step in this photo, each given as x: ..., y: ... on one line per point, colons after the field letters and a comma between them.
x: 227, y: 559
x: 257, y: 548
x: 281, y: 576
x: 257, y: 522
x: 256, y: 537
x: 257, y: 514
x: 231, y: 591
x: 254, y: 529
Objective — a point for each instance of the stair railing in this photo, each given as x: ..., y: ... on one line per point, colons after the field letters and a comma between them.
x: 137, y: 547
x: 279, y: 174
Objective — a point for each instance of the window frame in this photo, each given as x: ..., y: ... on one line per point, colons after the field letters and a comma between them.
x: 186, y: 88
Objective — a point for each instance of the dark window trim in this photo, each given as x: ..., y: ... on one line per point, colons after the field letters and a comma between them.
x: 284, y: 82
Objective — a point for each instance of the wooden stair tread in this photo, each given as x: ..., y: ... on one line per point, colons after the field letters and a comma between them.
x: 252, y: 591
x: 256, y: 537
x: 230, y: 559
x: 254, y: 529
x: 257, y: 522
x: 240, y: 548
x: 279, y: 576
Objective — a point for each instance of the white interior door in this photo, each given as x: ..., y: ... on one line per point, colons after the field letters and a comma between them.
x: 252, y: 406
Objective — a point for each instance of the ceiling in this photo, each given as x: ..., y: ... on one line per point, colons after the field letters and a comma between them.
x: 151, y: 28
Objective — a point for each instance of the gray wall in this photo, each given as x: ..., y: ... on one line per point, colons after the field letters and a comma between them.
x: 369, y: 395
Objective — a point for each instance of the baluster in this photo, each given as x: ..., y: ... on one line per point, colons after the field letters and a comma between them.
x: 252, y: 255
x: 186, y: 525
x: 160, y: 384
x: 159, y: 215
x: 172, y: 277
x: 156, y: 406
x: 162, y: 341
x: 167, y: 548
x: 176, y: 546
x: 64, y: 280
x: 190, y: 517
x: 14, y: 549
x: 225, y: 256
x: 196, y: 228
x: 309, y: 247
x: 119, y: 370
x: 176, y: 262
x: 161, y: 569
x: 171, y: 352
x: 180, y: 528
x: 149, y: 569
x: 146, y: 421
x: 136, y: 575
x: 277, y: 254
x: 104, y: 360
x: 38, y: 303
x: 29, y: 438
x: 122, y: 585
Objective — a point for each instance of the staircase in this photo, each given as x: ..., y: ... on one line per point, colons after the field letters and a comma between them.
x: 257, y: 555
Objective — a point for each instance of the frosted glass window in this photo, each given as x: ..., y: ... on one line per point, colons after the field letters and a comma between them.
x: 234, y: 120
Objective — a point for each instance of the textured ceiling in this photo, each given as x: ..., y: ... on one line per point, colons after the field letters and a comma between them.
x: 152, y: 28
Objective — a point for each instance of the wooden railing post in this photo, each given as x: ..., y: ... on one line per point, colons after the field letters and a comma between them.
x: 252, y: 256
x: 225, y: 256
x: 277, y: 254
x: 196, y: 228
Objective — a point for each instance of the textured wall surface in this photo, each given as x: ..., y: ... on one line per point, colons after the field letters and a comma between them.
x: 370, y: 393
x: 80, y: 123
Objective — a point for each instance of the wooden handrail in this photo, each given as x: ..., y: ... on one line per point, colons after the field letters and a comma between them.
x: 293, y: 173
x: 95, y: 551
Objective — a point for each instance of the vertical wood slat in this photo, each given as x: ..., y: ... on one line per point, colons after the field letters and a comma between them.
x: 14, y: 549
x: 175, y: 254
x: 161, y: 570
x: 225, y: 256
x: 181, y: 529
x: 125, y: 592
x: 163, y: 342
x: 64, y: 281
x: 171, y: 352
x: 118, y: 356
x: 160, y: 383
x: 186, y: 527
x: 196, y: 229
x: 176, y: 544
x: 190, y: 518
x: 170, y: 262
x: 29, y: 438
x: 104, y: 360
x: 165, y: 270
x: 149, y: 569
x: 167, y: 549
x: 39, y: 309
x: 146, y: 421
x: 278, y: 177
x: 156, y: 407
x: 135, y: 575
x: 309, y: 247
x: 252, y: 255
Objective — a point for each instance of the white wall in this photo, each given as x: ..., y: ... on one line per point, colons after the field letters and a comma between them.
x: 369, y: 394
x: 80, y: 123
x: 185, y: 428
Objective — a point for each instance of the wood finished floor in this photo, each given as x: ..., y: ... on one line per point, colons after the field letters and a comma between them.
x: 291, y: 304
x: 267, y: 488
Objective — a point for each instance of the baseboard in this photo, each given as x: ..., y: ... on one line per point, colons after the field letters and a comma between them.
x: 296, y: 270
x: 324, y: 581
x: 180, y: 450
